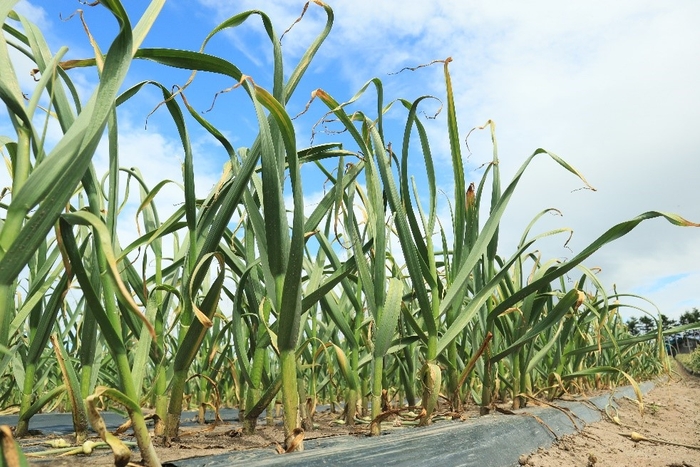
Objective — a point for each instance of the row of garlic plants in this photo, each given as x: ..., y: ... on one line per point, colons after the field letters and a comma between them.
x: 241, y: 299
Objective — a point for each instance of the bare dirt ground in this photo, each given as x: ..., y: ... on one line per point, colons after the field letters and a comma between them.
x: 208, y: 440
x: 671, y: 415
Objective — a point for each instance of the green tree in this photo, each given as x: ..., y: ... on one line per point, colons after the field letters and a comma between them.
x: 692, y: 316
x: 633, y: 326
x: 647, y: 324
x: 667, y: 323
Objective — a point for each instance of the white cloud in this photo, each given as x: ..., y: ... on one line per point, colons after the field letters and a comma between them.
x: 158, y: 158
x: 35, y: 14
x: 612, y: 88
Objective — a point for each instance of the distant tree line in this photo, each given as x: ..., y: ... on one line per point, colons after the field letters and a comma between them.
x: 646, y: 324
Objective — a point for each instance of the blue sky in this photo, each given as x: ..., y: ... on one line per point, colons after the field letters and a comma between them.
x: 610, y: 87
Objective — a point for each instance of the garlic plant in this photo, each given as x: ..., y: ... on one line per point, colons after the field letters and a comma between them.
x: 368, y: 294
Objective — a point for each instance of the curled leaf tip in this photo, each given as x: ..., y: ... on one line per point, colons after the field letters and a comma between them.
x: 687, y: 223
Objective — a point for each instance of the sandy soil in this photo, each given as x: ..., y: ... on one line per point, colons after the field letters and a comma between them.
x: 671, y: 415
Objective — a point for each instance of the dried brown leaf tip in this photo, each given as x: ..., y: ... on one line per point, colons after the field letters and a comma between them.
x: 236, y: 433
x: 424, y: 65
x: 298, y: 438
x: 471, y: 196
x: 10, y: 450
x: 301, y: 16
